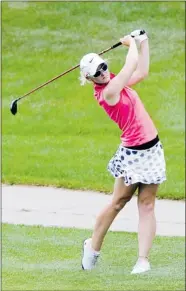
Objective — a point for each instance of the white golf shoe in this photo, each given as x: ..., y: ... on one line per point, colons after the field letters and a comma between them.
x: 141, y: 266
x: 90, y: 256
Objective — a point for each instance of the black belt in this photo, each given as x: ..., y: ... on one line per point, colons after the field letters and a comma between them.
x: 146, y: 145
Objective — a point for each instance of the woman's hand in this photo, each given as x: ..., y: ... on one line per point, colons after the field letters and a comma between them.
x: 126, y: 40
x: 139, y: 35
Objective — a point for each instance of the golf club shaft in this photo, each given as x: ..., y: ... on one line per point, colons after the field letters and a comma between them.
x: 49, y: 81
x: 110, y: 48
x: 64, y: 73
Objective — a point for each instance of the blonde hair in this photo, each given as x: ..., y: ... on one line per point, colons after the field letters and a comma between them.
x: 83, y: 79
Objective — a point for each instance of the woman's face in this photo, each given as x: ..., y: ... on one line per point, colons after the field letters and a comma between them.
x: 102, y: 75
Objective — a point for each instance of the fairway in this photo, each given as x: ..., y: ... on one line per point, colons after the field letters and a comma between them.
x: 38, y: 258
x: 60, y: 136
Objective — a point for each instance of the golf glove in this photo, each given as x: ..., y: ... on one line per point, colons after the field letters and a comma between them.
x: 139, y: 35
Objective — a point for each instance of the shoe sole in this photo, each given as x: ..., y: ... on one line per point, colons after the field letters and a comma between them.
x: 83, y: 256
x: 140, y: 272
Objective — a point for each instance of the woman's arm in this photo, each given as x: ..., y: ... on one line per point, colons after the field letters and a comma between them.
x: 112, y: 91
x: 143, y: 64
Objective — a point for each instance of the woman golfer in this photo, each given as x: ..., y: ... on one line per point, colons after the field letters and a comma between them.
x: 139, y: 161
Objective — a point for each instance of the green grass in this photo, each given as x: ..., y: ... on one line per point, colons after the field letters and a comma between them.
x: 39, y: 258
x: 60, y: 135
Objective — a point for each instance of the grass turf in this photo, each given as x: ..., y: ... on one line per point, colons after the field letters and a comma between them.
x: 60, y: 136
x: 39, y: 258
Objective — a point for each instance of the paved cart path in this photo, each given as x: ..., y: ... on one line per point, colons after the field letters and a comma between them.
x: 49, y: 206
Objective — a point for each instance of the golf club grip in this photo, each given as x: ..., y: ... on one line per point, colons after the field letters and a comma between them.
x: 110, y: 48
x: 116, y: 45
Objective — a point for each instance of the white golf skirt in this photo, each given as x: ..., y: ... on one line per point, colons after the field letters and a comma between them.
x: 144, y: 166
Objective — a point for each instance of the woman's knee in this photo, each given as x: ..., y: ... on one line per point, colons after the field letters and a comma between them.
x: 120, y: 203
x: 146, y: 205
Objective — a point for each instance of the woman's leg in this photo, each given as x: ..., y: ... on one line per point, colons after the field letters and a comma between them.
x: 147, y: 220
x: 147, y: 225
x: 121, y: 195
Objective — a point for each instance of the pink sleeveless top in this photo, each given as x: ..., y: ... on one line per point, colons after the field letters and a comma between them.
x: 130, y: 115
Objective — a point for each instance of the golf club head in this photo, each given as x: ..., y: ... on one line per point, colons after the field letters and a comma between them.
x: 13, y: 107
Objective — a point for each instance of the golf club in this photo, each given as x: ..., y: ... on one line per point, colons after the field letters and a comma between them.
x: 13, y: 106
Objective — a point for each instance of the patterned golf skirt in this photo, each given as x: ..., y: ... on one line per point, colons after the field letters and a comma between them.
x: 144, y: 166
